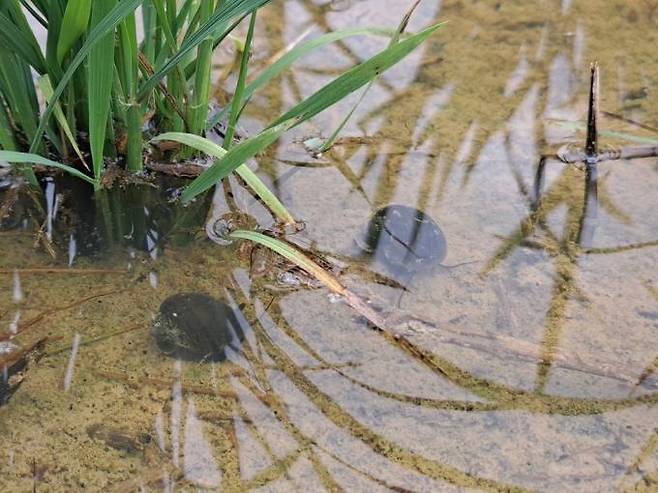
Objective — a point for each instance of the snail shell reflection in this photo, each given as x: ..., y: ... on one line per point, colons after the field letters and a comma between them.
x: 404, y: 240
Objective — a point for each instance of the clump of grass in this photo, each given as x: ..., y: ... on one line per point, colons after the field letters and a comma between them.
x: 105, y: 86
x: 102, y: 86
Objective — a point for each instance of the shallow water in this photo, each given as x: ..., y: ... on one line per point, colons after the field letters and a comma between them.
x: 538, y: 333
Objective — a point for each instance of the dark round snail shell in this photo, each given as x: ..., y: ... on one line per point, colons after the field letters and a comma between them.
x: 404, y: 240
x: 195, y: 327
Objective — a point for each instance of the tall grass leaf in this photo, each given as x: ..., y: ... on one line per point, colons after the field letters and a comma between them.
x: 47, y: 91
x: 355, y: 78
x: 22, y: 44
x: 27, y: 158
x: 236, y: 105
x: 100, y: 75
x: 107, y: 25
x: 74, y: 24
x: 295, y: 54
x: 228, y: 9
x: 128, y: 63
x: 34, y: 13
x: 40, y: 6
x: 7, y: 140
x: 198, y: 108
x: 396, y: 37
x: 18, y: 91
x: 250, y: 178
x: 237, y: 156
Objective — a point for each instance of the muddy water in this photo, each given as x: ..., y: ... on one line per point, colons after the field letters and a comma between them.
x: 539, y: 331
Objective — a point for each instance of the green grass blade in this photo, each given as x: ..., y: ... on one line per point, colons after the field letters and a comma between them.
x: 19, y: 92
x: 198, y: 108
x: 250, y: 178
x: 100, y: 75
x: 47, y: 91
x: 396, y: 37
x: 34, y: 13
x: 294, y: 255
x: 7, y: 140
x: 21, y: 43
x: 229, y: 9
x: 74, y: 24
x: 128, y: 62
x: 237, y: 156
x: 325, y: 97
x: 236, y: 105
x: 107, y: 25
x: 355, y: 78
x: 295, y: 54
x: 176, y: 81
x: 27, y: 158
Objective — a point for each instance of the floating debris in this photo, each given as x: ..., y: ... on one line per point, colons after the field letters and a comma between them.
x: 195, y: 327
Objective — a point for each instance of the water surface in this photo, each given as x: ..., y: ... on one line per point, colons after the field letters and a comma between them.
x: 539, y: 331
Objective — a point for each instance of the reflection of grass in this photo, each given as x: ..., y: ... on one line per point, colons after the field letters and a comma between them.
x: 648, y: 479
x: 567, y: 191
x: 226, y: 406
x: 498, y: 398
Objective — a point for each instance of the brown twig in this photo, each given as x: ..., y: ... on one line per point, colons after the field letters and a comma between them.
x: 183, y: 170
x: 148, y: 69
x: 15, y: 365
x: 58, y: 270
x: 159, y: 383
x: 33, y: 321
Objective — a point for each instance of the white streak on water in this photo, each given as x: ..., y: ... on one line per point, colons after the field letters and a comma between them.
x: 541, y: 45
x: 176, y: 407
x: 50, y: 208
x: 199, y: 465
x: 13, y: 326
x: 73, y: 250
x: 56, y: 206
x: 7, y: 347
x: 152, y: 243
x: 68, y: 377
x: 17, y: 296
x: 168, y: 486
x: 435, y: 105
x: 516, y: 78
x: 160, y: 431
x: 213, y: 375
x: 153, y: 279
x: 578, y: 46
